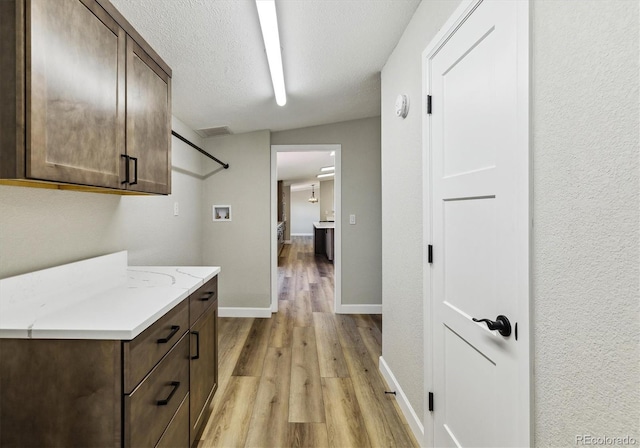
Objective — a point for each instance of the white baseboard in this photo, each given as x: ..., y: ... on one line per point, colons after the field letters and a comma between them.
x: 359, y: 309
x: 224, y: 311
x: 409, y: 414
x: 302, y: 234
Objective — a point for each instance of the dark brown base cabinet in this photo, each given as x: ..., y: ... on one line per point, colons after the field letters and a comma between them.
x: 203, y: 382
x: 152, y: 391
x: 86, y: 102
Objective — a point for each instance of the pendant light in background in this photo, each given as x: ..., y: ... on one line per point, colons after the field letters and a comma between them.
x: 313, y: 199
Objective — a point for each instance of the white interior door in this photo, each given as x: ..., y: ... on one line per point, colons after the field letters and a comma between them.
x: 479, y: 222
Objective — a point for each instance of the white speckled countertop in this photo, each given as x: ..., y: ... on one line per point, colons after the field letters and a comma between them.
x: 324, y: 225
x: 99, y: 298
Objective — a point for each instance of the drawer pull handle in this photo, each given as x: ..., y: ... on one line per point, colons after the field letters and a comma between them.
x: 126, y: 169
x: 175, y: 385
x: 174, y: 330
x: 197, y: 335
x: 207, y: 295
x: 135, y: 170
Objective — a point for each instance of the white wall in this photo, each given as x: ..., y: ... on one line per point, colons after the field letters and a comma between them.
x: 41, y: 228
x: 585, y: 208
x: 402, y: 243
x: 585, y: 147
x: 242, y: 246
x: 165, y: 239
x: 303, y: 213
x: 361, y: 243
x: 325, y: 196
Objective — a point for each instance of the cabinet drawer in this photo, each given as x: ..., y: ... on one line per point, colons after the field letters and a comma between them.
x: 143, y: 352
x: 177, y: 433
x: 202, y: 299
x: 149, y: 409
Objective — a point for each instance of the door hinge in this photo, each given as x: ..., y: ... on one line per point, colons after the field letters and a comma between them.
x: 430, y: 254
x: 428, y: 104
x: 430, y: 401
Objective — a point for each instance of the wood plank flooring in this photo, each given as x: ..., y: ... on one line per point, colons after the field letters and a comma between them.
x: 305, y: 377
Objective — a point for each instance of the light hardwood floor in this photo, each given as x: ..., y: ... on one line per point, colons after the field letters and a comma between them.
x: 305, y: 377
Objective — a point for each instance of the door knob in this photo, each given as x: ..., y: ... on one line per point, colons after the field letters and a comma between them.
x: 501, y: 324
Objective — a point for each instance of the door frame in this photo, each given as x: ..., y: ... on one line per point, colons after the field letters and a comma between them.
x: 337, y: 256
x: 525, y: 217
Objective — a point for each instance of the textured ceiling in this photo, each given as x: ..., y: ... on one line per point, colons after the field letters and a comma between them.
x: 333, y: 51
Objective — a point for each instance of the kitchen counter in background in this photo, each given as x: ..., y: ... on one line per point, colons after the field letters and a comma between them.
x: 324, y: 225
x: 98, y: 298
x: 323, y: 240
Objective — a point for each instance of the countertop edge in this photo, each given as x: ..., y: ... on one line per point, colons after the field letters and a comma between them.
x: 83, y: 325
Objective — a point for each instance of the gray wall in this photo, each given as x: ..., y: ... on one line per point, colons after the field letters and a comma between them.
x: 242, y: 246
x: 41, y: 228
x: 361, y: 243
x: 585, y: 296
x: 402, y: 298
x: 325, y: 196
x: 303, y: 213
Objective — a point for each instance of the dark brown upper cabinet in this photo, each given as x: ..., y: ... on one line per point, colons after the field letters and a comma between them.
x: 88, y: 100
x: 148, y: 122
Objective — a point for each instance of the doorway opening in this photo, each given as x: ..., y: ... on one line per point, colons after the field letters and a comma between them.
x: 308, y: 232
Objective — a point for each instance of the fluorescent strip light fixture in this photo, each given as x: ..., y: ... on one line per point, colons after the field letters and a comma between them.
x: 327, y: 168
x: 269, y: 26
x: 320, y: 176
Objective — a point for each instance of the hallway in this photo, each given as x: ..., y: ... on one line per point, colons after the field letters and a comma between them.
x: 305, y: 377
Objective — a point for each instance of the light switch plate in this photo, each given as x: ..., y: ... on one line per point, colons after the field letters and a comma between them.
x: 176, y: 209
x: 352, y: 219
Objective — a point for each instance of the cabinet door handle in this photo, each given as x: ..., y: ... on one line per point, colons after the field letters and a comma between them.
x: 126, y: 169
x: 175, y: 385
x: 197, y: 335
x: 174, y: 330
x: 135, y: 170
x: 206, y: 296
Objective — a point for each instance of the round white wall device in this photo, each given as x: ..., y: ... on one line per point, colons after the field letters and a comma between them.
x: 402, y: 106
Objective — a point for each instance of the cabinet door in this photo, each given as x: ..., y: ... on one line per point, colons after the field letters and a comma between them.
x: 60, y: 393
x: 75, y: 93
x: 148, y: 123
x: 204, y: 368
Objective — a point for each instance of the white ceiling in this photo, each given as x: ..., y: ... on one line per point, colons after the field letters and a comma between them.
x: 299, y: 169
x: 333, y: 51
